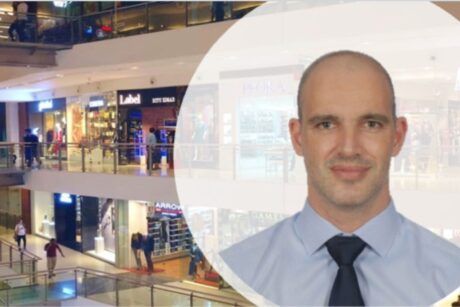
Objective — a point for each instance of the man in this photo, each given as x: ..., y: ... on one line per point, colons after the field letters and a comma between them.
x: 152, y: 155
x: 20, y: 234
x: 19, y: 24
x: 31, y: 147
x: 51, y: 256
x: 348, y: 246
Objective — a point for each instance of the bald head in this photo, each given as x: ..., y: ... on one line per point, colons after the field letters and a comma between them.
x: 341, y: 64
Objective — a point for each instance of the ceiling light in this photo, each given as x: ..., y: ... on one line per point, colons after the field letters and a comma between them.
x: 134, y: 67
x: 59, y: 76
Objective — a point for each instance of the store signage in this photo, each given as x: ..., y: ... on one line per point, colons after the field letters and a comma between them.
x: 156, y: 100
x: 45, y: 105
x: 65, y: 198
x: 96, y: 103
x: 130, y: 99
x: 168, y: 208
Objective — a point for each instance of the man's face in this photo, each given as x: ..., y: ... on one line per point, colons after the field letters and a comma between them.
x: 348, y: 134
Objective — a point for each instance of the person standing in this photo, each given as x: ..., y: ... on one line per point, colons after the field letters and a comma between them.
x: 18, y: 26
x: 31, y: 147
x: 147, y: 246
x: 136, y: 246
x: 152, y: 141
x: 20, y: 234
x: 51, y: 256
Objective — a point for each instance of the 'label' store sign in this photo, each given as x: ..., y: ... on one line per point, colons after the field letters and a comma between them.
x: 130, y: 99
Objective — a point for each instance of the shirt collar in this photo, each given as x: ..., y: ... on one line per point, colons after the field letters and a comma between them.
x: 379, y: 232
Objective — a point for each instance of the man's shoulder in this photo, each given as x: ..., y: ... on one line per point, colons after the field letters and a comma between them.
x: 250, y: 256
x: 439, y: 257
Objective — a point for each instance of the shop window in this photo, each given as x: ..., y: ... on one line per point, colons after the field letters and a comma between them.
x: 164, y: 16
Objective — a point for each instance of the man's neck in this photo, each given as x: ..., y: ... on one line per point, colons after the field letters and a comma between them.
x: 349, y: 219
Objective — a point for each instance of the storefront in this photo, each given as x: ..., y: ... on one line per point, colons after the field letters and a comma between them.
x: 102, y: 227
x: 83, y: 223
x: 92, y: 122
x: 140, y: 110
x: 47, y: 119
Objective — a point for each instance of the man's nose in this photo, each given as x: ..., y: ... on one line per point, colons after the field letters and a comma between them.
x: 349, y: 142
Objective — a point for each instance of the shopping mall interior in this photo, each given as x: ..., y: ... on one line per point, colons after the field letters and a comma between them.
x: 90, y: 84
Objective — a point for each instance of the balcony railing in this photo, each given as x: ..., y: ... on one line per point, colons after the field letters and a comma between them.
x: 101, y: 287
x: 15, y: 260
x: 118, y: 22
x: 416, y: 167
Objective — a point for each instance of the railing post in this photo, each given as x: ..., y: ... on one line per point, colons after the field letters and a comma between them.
x: 22, y: 151
x: 8, y: 159
x: 22, y: 262
x: 117, y: 296
x: 151, y: 296
x: 76, y: 284
x: 7, y: 297
x: 34, y: 271
x: 149, y: 159
x: 83, y: 168
x: 11, y: 256
x: 147, y: 21
x: 115, y: 158
x: 46, y: 288
x: 1, y: 247
x: 60, y: 157
x: 191, y: 299
x: 85, y: 288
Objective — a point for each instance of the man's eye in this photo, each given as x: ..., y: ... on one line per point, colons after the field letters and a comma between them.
x: 325, y: 125
x: 372, y: 124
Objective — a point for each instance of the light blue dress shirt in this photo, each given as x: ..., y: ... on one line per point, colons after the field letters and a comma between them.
x: 403, y: 263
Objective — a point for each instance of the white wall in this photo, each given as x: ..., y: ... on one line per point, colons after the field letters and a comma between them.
x: 12, y: 122
x: 42, y: 203
x: 127, y: 187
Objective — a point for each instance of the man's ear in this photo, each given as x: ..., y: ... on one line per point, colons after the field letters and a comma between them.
x: 400, y: 136
x: 295, y: 130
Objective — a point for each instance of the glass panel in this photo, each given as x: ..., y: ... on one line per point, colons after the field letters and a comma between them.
x: 199, y: 12
x: 133, y: 295
x: 167, y: 298
x: 131, y: 20
x: 240, y: 9
x: 23, y: 291
x: 166, y: 16
x: 99, y: 288
x: 61, y: 286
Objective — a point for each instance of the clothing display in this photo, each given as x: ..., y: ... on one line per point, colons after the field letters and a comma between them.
x: 401, y: 258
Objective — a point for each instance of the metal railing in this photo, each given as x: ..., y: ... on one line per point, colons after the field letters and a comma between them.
x: 17, y: 260
x: 117, y: 22
x: 410, y: 169
x: 94, y: 285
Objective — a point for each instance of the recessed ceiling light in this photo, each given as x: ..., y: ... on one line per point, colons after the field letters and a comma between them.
x: 59, y: 76
x: 134, y: 67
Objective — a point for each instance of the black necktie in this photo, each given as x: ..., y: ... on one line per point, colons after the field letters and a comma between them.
x: 344, y: 251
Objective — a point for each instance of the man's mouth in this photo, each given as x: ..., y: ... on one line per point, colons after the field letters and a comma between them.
x: 350, y: 172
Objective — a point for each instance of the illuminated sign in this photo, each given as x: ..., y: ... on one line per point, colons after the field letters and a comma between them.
x: 45, y: 105
x: 130, y: 99
x: 96, y: 103
x: 156, y: 100
x: 61, y: 3
x: 168, y: 208
x: 65, y: 198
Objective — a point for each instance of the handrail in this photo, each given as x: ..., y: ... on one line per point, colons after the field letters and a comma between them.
x: 25, y: 252
x: 168, y: 288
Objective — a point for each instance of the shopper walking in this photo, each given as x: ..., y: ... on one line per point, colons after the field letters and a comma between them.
x: 136, y: 246
x: 51, y: 256
x: 20, y: 234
